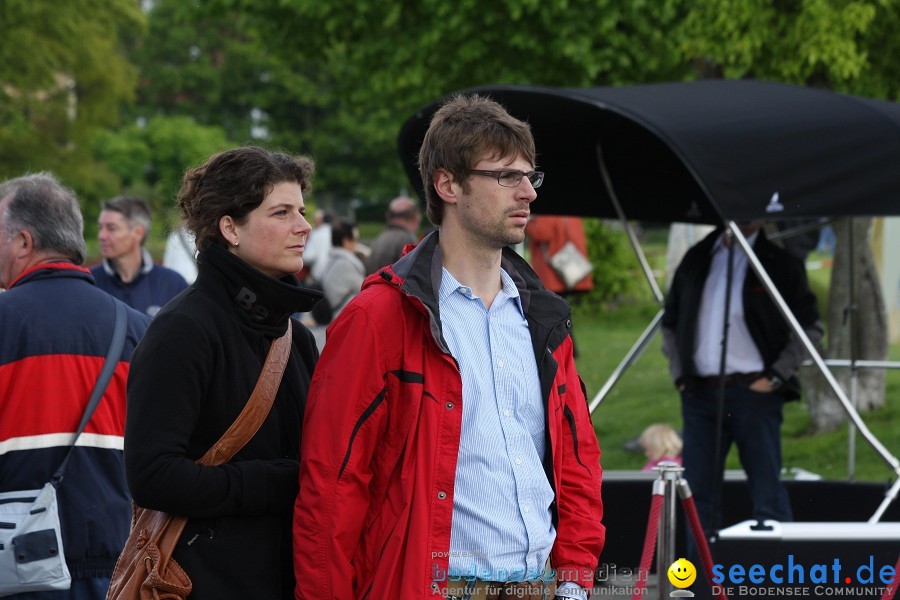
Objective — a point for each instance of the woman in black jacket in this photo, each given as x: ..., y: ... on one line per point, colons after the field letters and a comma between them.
x: 197, y: 365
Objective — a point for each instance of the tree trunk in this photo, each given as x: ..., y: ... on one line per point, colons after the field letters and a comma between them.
x: 861, y: 333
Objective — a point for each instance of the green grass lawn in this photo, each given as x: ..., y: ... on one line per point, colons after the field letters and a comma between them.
x: 645, y: 395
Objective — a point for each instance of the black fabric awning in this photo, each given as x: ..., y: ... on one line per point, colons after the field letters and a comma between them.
x: 702, y: 151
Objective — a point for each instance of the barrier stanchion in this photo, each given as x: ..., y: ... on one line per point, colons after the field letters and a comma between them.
x: 650, y: 539
x: 690, y: 510
x: 663, y: 537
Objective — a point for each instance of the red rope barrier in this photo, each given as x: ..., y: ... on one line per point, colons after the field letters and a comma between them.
x: 705, y: 556
x: 890, y: 590
x: 643, y: 573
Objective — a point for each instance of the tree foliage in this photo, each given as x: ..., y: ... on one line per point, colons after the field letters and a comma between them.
x: 151, y: 159
x: 377, y: 62
x: 841, y: 45
x: 337, y: 79
x: 62, y: 75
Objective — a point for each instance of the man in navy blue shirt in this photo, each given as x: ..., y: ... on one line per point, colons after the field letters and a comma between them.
x: 127, y: 271
x: 55, y: 329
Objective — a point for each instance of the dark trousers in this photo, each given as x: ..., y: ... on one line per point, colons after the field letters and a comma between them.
x: 752, y: 421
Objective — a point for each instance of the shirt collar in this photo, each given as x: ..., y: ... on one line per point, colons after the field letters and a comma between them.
x: 719, y: 243
x: 508, y: 289
x: 146, y: 264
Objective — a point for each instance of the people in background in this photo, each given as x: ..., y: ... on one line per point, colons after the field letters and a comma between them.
x: 181, y: 253
x: 56, y: 328
x: 318, y: 244
x: 546, y: 235
x: 752, y: 359
x: 661, y: 443
x: 127, y: 271
x: 344, y: 271
x: 198, y: 364
x: 447, y: 430
x: 403, y: 219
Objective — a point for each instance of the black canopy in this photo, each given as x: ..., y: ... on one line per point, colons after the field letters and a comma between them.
x: 702, y: 151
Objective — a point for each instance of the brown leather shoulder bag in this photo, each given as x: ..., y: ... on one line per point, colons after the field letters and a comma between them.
x: 145, y: 569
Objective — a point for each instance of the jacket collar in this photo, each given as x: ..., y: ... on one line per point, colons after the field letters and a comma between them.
x: 260, y: 300
x: 418, y: 274
x: 146, y: 265
x: 51, y: 269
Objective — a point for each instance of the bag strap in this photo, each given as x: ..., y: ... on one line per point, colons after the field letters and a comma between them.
x: 257, y: 408
x: 106, y: 373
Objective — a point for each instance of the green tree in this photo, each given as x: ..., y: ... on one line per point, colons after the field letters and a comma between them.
x: 151, y: 160
x: 842, y: 45
x: 207, y: 65
x: 371, y: 64
x: 214, y: 65
x: 62, y: 76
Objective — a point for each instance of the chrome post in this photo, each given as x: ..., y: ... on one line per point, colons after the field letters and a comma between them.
x: 669, y: 474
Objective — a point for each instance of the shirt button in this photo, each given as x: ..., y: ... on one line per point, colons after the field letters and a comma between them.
x: 505, y: 413
x: 500, y: 364
x: 449, y: 406
x: 519, y: 461
x: 442, y: 495
x: 526, y: 509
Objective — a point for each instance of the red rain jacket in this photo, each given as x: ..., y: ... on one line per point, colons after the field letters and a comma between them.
x: 381, y: 434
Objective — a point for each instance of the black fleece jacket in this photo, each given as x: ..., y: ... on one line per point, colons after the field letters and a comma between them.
x: 781, y: 351
x: 191, y: 375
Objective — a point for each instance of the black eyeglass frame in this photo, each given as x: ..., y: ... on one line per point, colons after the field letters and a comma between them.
x: 536, y: 178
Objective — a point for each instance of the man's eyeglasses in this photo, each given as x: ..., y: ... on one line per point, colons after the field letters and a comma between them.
x: 512, y: 178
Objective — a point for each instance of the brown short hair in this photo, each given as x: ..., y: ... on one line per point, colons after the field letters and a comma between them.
x: 463, y: 131
x: 235, y: 182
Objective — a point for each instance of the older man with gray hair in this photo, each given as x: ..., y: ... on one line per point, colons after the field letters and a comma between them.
x: 403, y: 218
x: 55, y: 330
x: 128, y: 271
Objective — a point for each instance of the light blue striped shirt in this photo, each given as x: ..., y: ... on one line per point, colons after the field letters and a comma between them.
x: 502, y: 528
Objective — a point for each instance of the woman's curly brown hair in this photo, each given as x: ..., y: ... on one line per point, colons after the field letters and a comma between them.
x: 233, y: 183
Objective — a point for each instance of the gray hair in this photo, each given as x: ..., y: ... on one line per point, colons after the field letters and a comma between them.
x: 49, y: 211
x: 135, y: 211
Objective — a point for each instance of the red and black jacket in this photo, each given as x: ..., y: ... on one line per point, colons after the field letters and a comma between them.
x: 381, y: 438
x: 55, y: 330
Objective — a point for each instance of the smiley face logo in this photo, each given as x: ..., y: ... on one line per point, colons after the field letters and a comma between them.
x: 682, y: 573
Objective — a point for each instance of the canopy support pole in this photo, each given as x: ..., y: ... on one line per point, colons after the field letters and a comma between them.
x: 850, y: 313
x: 638, y: 348
x: 889, y: 497
x: 773, y: 292
x: 632, y: 237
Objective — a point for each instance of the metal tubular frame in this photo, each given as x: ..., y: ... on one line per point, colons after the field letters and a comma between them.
x: 785, y: 311
x: 849, y: 407
x: 630, y: 358
x: 638, y: 348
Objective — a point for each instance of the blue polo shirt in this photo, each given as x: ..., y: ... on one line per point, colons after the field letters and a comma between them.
x: 148, y: 292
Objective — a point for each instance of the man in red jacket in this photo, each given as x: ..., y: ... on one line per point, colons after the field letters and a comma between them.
x: 448, y: 451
